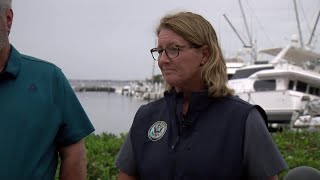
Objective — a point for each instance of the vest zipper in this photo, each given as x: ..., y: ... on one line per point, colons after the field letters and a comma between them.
x: 175, y: 144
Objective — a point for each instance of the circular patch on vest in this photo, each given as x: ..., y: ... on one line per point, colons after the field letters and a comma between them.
x: 157, y: 130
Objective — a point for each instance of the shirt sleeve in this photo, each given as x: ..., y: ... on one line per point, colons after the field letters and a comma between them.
x: 75, y: 124
x: 125, y: 160
x: 262, y: 158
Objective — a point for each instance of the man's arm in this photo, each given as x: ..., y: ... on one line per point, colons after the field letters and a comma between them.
x: 273, y: 178
x: 73, y: 162
x: 124, y: 176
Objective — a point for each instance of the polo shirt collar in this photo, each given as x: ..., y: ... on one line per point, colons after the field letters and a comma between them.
x: 13, y: 65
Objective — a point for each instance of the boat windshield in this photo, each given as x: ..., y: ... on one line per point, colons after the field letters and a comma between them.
x: 245, y: 73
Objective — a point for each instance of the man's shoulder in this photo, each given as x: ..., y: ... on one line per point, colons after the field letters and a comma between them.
x: 37, y: 61
x: 37, y: 65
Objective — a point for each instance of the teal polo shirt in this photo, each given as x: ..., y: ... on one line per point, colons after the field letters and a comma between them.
x: 39, y: 113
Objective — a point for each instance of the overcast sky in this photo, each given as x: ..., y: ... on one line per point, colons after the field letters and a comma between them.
x: 111, y: 39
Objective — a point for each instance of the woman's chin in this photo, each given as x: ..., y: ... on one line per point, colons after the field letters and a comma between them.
x: 171, y: 81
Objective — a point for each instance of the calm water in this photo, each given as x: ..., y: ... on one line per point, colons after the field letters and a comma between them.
x: 109, y: 112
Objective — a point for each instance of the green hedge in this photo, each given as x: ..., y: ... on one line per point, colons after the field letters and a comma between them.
x: 101, y: 153
x: 298, y: 148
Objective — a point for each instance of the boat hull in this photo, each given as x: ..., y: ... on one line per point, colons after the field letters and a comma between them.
x: 280, y: 106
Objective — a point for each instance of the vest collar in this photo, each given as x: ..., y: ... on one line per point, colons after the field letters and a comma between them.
x: 198, y: 100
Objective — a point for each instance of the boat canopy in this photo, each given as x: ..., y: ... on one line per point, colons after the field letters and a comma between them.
x: 294, y: 54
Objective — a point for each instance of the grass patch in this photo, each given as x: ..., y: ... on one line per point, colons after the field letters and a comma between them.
x: 299, y: 148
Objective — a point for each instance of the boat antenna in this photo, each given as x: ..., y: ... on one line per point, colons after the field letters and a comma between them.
x: 235, y: 31
x: 298, y: 22
x: 242, y: 41
x: 314, y: 29
x: 245, y: 23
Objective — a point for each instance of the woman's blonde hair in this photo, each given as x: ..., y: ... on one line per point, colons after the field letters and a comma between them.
x: 199, y: 32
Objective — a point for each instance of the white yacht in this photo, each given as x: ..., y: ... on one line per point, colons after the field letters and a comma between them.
x: 233, y: 64
x: 284, y: 85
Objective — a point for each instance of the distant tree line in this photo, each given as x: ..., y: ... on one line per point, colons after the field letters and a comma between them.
x: 156, y: 79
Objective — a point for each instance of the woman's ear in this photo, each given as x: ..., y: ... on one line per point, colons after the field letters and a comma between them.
x: 205, y: 54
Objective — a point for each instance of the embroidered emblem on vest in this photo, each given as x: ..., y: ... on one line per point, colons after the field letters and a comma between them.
x: 157, y: 130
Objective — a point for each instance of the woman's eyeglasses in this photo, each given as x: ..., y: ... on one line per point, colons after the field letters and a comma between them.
x: 172, y: 51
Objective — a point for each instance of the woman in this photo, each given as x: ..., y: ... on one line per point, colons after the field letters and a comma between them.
x: 199, y: 130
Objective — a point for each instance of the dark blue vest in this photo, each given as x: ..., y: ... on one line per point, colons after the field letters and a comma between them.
x: 207, y: 143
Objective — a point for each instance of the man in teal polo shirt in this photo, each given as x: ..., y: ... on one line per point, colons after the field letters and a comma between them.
x: 41, y: 118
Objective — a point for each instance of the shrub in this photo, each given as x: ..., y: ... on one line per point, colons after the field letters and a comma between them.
x: 101, y: 154
x: 297, y: 148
